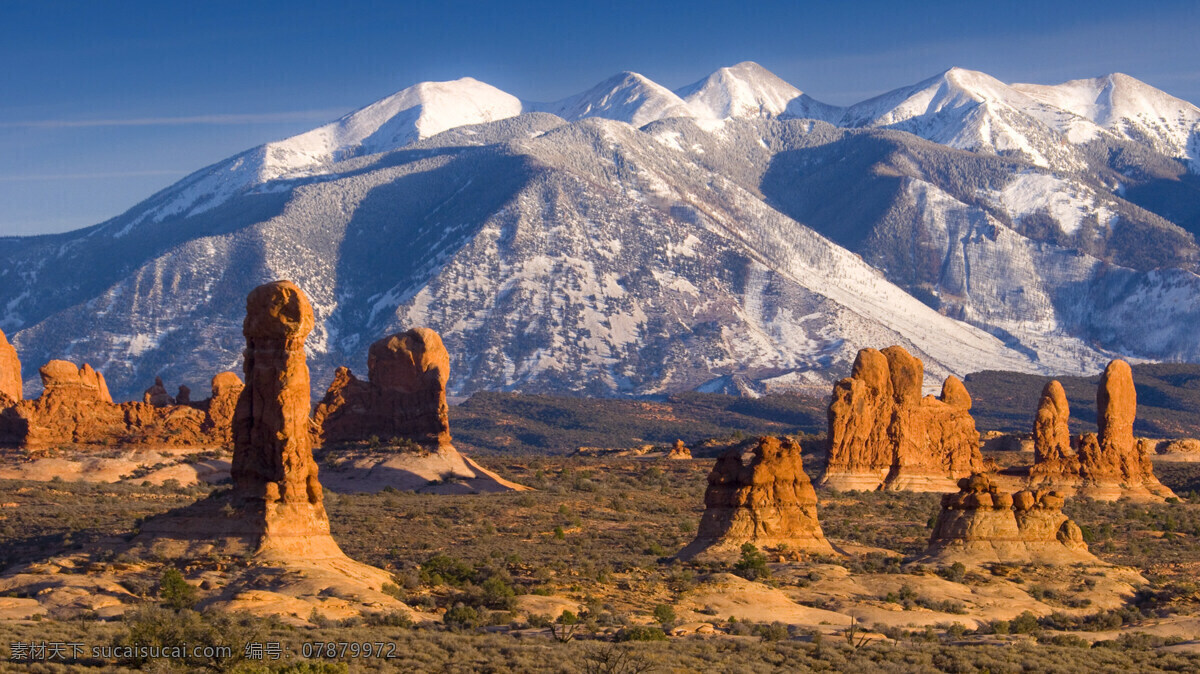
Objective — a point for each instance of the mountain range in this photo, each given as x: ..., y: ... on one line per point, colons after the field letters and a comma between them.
x: 732, y: 235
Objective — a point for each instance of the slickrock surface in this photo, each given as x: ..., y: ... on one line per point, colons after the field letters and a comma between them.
x: 401, y: 409
x: 679, y: 451
x: 10, y: 372
x: 883, y: 434
x: 758, y: 493
x: 1104, y: 466
x: 981, y: 524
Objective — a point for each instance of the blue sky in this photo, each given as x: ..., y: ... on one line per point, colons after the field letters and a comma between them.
x: 106, y: 102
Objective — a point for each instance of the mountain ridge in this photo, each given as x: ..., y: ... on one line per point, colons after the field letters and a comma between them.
x: 723, y: 241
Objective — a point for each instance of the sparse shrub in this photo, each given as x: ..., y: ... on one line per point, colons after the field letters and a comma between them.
x: 753, y: 564
x: 461, y: 617
x: 641, y: 633
x: 664, y: 614
x: 955, y: 573
x: 174, y: 592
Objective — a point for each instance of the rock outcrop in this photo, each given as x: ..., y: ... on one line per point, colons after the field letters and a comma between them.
x: 10, y: 372
x: 884, y: 434
x: 264, y: 546
x: 1103, y: 466
x: 75, y: 408
x: 758, y: 493
x: 157, y: 394
x: 404, y: 396
x: 401, y: 412
x: 679, y: 451
x: 981, y: 524
x: 276, y: 508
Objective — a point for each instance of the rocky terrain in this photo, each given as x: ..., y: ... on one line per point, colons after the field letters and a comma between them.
x: 884, y: 434
x: 76, y: 408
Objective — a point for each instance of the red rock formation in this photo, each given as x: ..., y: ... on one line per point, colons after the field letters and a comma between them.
x: 883, y: 434
x: 981, y: 524
x: 10, y: 372
x: 157, y: 394
x: 758, y: 493
x: 404, y: 397
x: 75, y: 408
x: 679, y: 451
x: 1105, y: 466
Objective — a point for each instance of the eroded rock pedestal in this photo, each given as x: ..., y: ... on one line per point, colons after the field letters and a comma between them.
x: 679, y: 451
x: 758, y: 493
x: 884, y: 434
x: 401, y: 413
x: 1103, y: 466
x: 275, y: 508
x: 981, y: 524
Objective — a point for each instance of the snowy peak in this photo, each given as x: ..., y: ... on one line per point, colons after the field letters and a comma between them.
x: 955, y: 89
x: 418, y: 112
x: 746, y: 90
x: 1129, y: 108
x: 626, y: 97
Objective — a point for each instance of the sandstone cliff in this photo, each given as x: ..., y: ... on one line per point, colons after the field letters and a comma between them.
x: 981, y: 524
x: 758, y: 493
x: 883, y: 434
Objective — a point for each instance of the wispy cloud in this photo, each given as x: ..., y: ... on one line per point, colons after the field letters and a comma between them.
x: 86, y: 176
x: 228, y: 119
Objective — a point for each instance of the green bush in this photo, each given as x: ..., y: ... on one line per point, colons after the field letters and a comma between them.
x: 753, y: 564
x: 175, y: 592
x: 641, y: 633
x: 461, y: 617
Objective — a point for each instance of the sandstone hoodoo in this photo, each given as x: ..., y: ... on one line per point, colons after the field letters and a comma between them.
x: 264, y: 546
x: 679, y: 451
x: 981, y: 524
x: 401, y: 412
x: 884, y: 434
x: 277, y: 501
x: 157, y: 394
x: 758, y: 493
x: 10, y: 372
x: 404, y: 395
x: 1103, y: 466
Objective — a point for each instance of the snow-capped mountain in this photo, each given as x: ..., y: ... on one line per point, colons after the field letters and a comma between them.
x: 633, y: 240
x: 1130, y: 109
x: 624, y: 97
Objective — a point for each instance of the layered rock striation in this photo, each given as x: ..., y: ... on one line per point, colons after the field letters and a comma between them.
x: 758, y: 493
x: 884, y: 434
x: 1106, y: 465
x: 981, y: 524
